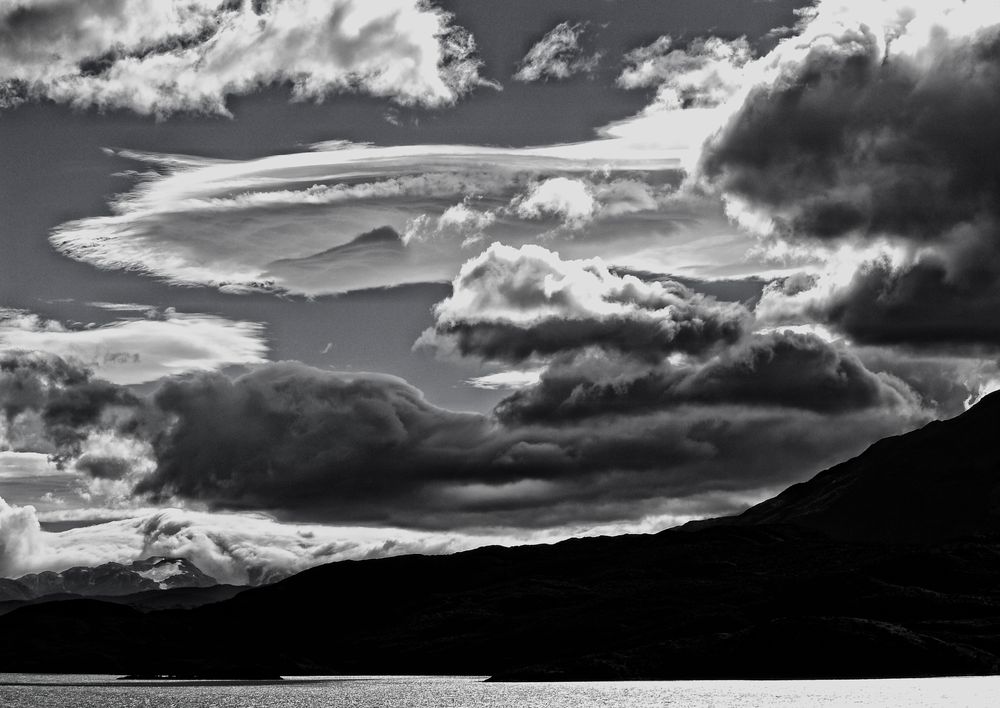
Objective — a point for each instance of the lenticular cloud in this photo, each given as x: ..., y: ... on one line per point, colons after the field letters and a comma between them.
x: 347, y: 217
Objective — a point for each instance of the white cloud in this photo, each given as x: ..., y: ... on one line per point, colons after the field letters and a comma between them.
x: 138, y: 350
x: 26, y: 464
x: 277, y: 223
x: 245, y: 548
x: 557, y: 55
x: 511, y: 380
x: 520, y: 304
x: 578, y: 202
x: 162, y: 56
x: 570, y: 199
x: 460, y: 220
x: 704, y: 74
x: 461, y: 216
x: 232, y: 548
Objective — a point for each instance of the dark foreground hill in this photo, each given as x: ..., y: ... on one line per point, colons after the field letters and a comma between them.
x: 939, y: 482
x: 833, y: 580
x: 144, y: 601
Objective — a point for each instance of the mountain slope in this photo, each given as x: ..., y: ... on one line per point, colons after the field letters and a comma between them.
x: 936, y: 483
x: 724, y: 602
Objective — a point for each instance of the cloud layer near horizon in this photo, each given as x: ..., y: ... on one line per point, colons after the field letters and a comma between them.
x: 139, y: 349
x: 247, y: 549
x: 163, y: 56
x: 237, y: 549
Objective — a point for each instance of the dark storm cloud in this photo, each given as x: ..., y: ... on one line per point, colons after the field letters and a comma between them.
x: 780, y: 371
x: 517, y: 304
x: 312, y: 445
x: 50, y: 404
x: 857, y: 139
x: 293, y: 437
x: 947, y: 381
x: 922, y: 304
x: 743, y: 290
x: 874, y: 130
x: 618, y: 427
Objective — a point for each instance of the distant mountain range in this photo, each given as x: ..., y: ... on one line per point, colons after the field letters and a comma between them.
x: 885, y: 565
x: 109, y: 579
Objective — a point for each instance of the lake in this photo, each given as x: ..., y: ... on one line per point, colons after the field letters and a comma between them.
x: 88, y: 691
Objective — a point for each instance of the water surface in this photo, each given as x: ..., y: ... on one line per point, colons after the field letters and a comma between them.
x: 90, y: 691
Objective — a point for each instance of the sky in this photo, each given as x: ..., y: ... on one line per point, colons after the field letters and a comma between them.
x: 284, y: 282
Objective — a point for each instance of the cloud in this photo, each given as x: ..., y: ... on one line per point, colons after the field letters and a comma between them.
x: 870, y: 130
x: 233, y: 548
x: 18, y: 537
x: 917, y: 304
x: 54, y: 407
x: 250, y: 549
x: 557, y: 56
x: 507, y: 379
x: 860, y: 126
x: 309, y: 445
x: 579, y: 203
x: 570, y: 199
x: 137, y: 350
x: 31, y: 465
x: 164, y: 56
x: 330, y: 446
x: 205, y: 221
x: 948, y: 381
x: 459, y: 222
x: 780, y: 370
x: 705, y: 73
x: 513, y: 304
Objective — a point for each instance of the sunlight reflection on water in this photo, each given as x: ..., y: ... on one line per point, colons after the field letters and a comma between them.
x: 85, y: 691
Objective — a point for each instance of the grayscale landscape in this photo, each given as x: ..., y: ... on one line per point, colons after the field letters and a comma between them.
x: 499, y: 353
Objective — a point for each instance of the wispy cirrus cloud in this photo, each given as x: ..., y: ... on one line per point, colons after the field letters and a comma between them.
x: 163, y: 56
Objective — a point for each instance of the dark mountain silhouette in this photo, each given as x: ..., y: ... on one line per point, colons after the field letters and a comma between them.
x: 936, y: 483
x: 109, y: 579
x: 843, y: 586
x: 144, y: 601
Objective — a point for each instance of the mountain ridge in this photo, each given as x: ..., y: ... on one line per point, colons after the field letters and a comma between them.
x: 109, y: 579
x: 938, y: 482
